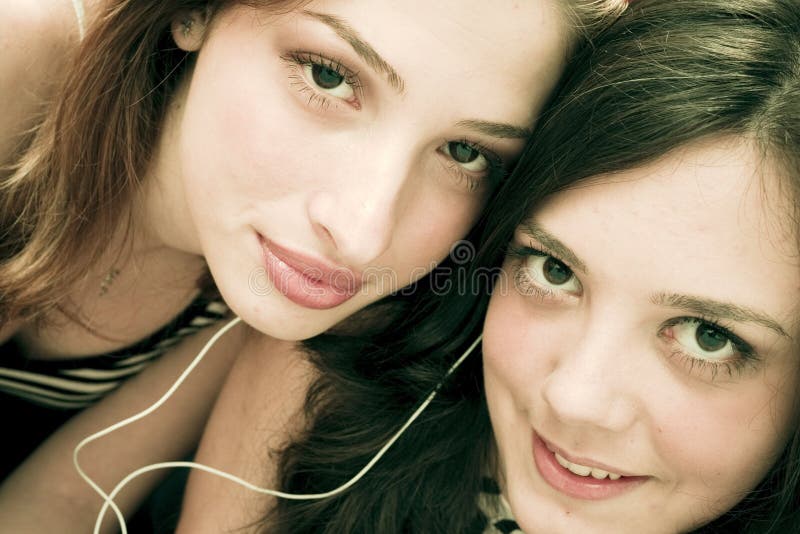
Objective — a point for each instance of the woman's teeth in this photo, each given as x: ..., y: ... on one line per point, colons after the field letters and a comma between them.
x: 582, y: 470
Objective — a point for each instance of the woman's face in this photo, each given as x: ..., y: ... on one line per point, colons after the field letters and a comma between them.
x: 646, y: 330
x: 332, y: 155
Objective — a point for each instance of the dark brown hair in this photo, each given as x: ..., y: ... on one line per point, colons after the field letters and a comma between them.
x: 667, y: 73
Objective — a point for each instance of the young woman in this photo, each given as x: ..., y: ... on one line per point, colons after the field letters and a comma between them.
x: 306, y: 144
x: 640, y: 368
x: 300, y: 152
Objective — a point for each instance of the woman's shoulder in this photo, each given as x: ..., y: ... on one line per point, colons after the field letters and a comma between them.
x: 22, y: 16
x: 36, y: 37
x: 259, y: 408
x: 37, y: 33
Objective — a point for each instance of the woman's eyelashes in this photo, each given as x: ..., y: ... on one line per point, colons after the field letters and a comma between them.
x: 706, y: 347
x: 324, y: 81
x: 473, y: 163
x: 700, y: 345
x: 540, y: 274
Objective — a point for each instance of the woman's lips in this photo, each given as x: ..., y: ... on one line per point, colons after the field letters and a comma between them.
x: 306, y: 281
x: 604, y: 484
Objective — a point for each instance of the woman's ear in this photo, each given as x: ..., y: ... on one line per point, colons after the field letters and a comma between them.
x: 189, y: 29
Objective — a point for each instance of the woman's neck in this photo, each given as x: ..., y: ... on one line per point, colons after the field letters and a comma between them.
x: 137, y: 286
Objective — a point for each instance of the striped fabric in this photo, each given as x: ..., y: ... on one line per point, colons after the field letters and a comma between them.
x: 77, y: 383
x: 497, y: 511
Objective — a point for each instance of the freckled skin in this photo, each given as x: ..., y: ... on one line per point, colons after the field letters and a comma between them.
x: 592, y: 370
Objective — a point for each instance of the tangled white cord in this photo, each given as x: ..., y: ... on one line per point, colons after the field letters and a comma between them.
x: 108, y: 499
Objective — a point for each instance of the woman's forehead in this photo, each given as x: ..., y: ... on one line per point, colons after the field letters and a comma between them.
x: 709, y: 219
x: 730, y: 174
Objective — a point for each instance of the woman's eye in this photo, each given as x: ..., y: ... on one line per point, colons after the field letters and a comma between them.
x: 323, y: 80
x: 704, y: 340
x: 467, y: 156
x: 703, y: 345
x: 329, y: 81
x: 550, y: 273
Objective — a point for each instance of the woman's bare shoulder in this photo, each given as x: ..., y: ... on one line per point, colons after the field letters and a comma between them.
x: 259, y: 408
x: 34, y: 34
x: 36, y: 37
x: 22, y: 16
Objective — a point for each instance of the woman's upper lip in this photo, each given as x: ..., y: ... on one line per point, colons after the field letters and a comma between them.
x: 317, y: 269
x: 587, y: 462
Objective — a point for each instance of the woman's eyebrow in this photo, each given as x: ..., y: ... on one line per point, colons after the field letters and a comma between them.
x: 549, y: 241
x: 497, y: 129
x: 371, y: 57
x: 360, y: 47
x: 718, y: 309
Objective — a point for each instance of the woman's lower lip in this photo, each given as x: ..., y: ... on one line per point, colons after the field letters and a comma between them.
x: 299, y: 288
x: 576, y: 486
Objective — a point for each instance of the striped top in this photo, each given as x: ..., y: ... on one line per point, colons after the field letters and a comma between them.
x: 497, y: 510
x: 76, y: 383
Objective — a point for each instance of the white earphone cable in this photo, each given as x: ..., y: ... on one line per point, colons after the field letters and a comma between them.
x: 80, y: 14
x: 136, y: 417
x: 109, y: 498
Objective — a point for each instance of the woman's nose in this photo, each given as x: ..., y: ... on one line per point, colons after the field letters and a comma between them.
x: 359, y: 216
x: 594, y: 382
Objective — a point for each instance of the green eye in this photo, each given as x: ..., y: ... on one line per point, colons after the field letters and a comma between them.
x: 466, y: 155
x: 543, y: 274
x: 706, y: 341
x: 462, y: 152
x: 325, y: 77
x: 703, y: 344
x: 709, y: 338
x: 556, y: 272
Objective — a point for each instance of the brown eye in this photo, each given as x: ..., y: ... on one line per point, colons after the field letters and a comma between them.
x: 556, y: 272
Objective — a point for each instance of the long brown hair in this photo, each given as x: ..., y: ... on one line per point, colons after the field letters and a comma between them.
x: 667, y: 73
x: 368, y: 383
x: 72, y: 187
x: 64, y: 198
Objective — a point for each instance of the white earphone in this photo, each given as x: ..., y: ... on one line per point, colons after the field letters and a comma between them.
x: 109, y: 498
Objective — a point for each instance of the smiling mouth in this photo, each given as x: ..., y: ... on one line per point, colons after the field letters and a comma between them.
x: 583, y: 470
x: 578, y: 480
